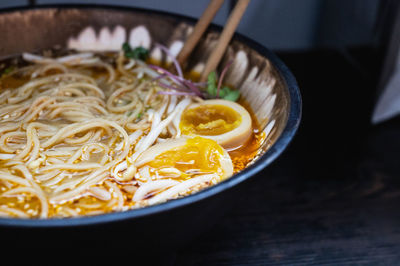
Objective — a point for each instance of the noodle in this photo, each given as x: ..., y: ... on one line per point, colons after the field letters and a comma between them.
x: 72, y: 129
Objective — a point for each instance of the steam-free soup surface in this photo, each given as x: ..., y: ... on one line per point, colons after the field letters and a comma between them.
x: 87, y: 134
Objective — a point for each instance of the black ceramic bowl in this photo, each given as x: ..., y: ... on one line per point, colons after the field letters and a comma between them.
x: 265, y: 82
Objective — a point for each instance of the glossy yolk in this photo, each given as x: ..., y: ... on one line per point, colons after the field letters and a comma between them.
x: 209, y: 120
x: 198, y: 153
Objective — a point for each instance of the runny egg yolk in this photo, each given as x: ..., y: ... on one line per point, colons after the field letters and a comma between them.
x: 226, y: 122
x: 209, y: 120
x: 198, y: 153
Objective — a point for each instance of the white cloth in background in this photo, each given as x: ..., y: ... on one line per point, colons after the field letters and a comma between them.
x: 388, y: 104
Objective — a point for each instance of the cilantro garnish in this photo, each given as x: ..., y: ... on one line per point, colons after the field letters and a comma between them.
x: 225, y: 92
x: 212, y: 84
x: 7, y: 70
x: 137, y: 53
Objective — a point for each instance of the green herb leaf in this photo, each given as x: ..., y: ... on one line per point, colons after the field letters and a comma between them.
x: 7, y: 70
x: 212, y: 84
x: 212, y: 79
x: 232, y: 95
x: 224, y: 91
x: 141, y: 53
x: 139, y: 115
x: 126, y: 47
x: 137, y: 53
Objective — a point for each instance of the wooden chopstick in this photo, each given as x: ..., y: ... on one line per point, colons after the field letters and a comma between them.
x: 224, y: 39
x: 199, y: 29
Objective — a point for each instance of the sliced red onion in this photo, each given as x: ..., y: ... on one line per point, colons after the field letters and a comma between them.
x: 200, y: 84
x: 176, y: 93
x: 166, y: 72
x: 178, y: 80
x: 222, y: 76
x: 193, y: 88
x: 172, y: 87
x: 159, y: 77
x: 168, y: 52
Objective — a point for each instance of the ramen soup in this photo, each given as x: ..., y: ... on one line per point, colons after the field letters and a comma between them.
x: 86, y: 134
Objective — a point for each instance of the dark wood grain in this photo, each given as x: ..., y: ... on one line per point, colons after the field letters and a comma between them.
x: 333, y: 198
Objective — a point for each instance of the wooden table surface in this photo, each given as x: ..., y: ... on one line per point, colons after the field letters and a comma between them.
x: 333, y: 197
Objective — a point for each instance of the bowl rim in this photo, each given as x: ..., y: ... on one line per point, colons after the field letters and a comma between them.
x: 293, y: 121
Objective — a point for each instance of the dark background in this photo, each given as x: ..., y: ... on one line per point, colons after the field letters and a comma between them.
x: 277, y: 24
x: 332, y: 198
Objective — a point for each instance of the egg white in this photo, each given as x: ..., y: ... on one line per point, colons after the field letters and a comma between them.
x: 236, y: 137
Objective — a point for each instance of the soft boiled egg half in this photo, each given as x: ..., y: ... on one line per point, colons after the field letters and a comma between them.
x: 226, y: 122
x: 184, y: 157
